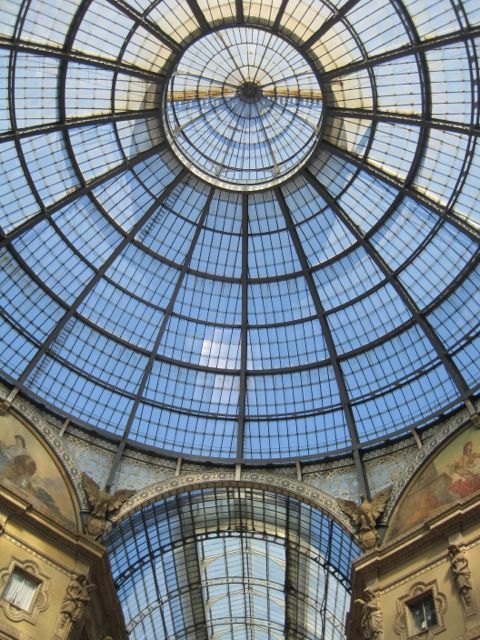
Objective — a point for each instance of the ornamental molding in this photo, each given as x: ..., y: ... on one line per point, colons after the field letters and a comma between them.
x: 44, y: 559
x: 267, y: 481
x: 92, y: 439
x: 40, y: 601
x: 49, y: 425
x: 412, y: 575
x: 402, y: 623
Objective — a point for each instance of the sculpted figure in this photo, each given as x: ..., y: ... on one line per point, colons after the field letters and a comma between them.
x: 76, y: 599
x: 102, y: 505
x: 371, y: 623
x: 365, y: 516
x: 461, y: 574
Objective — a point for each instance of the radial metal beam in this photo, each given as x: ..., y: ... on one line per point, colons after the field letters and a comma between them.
x: 410, y: 191
x: 75, y: 123
x: 199, y: 15
x: 279, y: 16
x: 407, y: 119
x: 242, y: 398
x: 239, y: 11
x: 341, y: 385
x: 161, y: 331
x: 328, y: 24
x: 422, y: 46
x: 149, y: 25
x: 53, y: 335
x: 49, y: 51
x: 48, y: 211
x: 402, y: 293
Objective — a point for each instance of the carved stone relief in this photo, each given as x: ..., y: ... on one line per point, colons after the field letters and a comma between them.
x: 75, y: 601
x: 364, y: 517
x: 102, y: 505
x: 371, y: 618
x: 462, y: 577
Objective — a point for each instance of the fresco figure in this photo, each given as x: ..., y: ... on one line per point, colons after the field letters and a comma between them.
x: 24, y: 463
x: 467, y: 472
x: 16, y: 464
x: 451, y: 474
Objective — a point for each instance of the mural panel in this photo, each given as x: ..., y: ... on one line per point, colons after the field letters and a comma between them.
x: 454, y: 473
x: 27, y: 466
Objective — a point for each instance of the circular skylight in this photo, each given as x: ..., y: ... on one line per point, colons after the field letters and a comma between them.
x: 304, y: 296
x: 243, y: 108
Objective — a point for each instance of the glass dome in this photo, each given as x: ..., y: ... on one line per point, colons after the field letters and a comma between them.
x: 243, y: 108
x: 318, y: 296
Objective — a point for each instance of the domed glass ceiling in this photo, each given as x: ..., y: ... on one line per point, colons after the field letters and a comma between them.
x: 333, y: 306
x: 243, y: 108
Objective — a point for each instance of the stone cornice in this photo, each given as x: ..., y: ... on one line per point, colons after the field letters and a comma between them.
x: 419, y: 539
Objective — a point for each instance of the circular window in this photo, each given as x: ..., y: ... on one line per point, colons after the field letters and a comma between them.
x: 243, y: 108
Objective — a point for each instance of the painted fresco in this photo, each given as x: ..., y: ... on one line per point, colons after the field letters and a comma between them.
x: 26, y: 466
x: 452, y: 474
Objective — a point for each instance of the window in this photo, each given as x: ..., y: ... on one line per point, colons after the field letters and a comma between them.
x: 422, y: 613
x: 23, y: 590
x: 20, y: 590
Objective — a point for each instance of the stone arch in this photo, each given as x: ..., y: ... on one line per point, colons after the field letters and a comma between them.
x: 249, y: 479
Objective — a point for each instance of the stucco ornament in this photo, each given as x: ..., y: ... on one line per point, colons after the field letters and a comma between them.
x: 76, y: 599
x: 462, y: 576
x: 102, y: 505
x: 371, y: 622
x: 365, y: 517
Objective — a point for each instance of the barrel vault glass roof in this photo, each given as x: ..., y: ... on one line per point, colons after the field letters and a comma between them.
x: 335, y: 308
x: 249, y: 565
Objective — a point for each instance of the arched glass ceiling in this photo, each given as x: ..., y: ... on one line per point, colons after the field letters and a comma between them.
x: 332, y: 311
x: 243, y: 108
x: 249, y: 565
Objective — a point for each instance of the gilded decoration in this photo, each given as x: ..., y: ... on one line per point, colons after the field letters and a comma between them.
x: 40, y: 601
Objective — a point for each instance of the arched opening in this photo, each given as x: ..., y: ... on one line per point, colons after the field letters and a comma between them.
x: 232, y: 562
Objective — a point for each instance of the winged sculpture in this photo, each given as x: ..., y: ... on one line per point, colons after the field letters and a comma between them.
x: 365, y: 516
x: 102, y: 505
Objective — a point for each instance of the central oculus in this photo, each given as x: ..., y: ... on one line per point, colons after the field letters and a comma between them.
x: 243, y: 108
